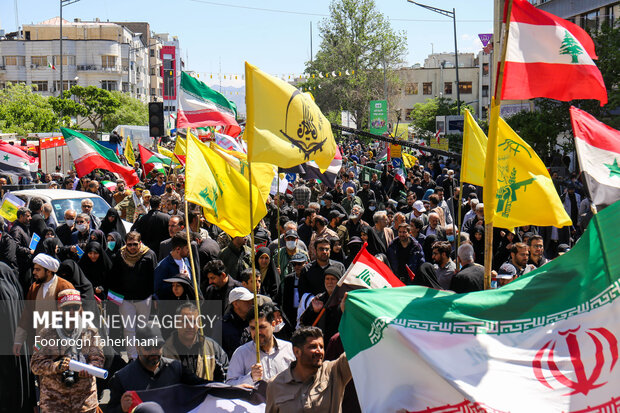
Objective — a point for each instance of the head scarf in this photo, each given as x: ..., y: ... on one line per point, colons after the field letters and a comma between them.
x: 427, y: 246
x: 375, y: 245
x: 48, y: 246
x: 426, y: 277
x: 98, y: 236
x: 115, y: 226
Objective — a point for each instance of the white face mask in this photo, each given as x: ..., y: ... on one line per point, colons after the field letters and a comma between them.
x: 278, y: 327
x: 70, y: 222
x: 81, y: 227
x: 291, y: 245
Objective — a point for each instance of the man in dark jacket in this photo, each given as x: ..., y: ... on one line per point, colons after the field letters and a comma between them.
x: 471, y: 276
x: 175, y: 263
x: 20, y: 231
x: 37, y: 222
x: 153, y: 226
x: 216, y: 283
x: 288, y: 295
x: 236, y: 318
x: 405, y: 252
x: 64, y: 231
x: 150, y: 371
x: 312, y: 279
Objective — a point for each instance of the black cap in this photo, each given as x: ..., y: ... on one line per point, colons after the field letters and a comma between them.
x: 149, y: 336
x: 562, y: 248
x: 328, y: 196
x: 291, y: 233
x: 335, y: 214
x: 334, y: 270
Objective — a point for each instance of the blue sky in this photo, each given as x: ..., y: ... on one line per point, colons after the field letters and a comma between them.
x: 228, y: 32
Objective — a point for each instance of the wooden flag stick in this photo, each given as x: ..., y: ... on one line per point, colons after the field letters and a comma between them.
x: 252, y: 257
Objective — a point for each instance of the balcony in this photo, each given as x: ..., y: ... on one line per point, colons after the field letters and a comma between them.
x: 98, y: 68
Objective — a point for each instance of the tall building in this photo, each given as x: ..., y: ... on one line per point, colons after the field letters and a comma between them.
x: 437, y: 78
x: 172, y: 66
x: 122, y: 56
x: 588, y: 14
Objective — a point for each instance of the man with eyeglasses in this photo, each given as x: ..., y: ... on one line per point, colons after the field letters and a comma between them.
x: 149, y: 371
x: 537, y: 250
x: 87, y: 208
x: 81, y: 236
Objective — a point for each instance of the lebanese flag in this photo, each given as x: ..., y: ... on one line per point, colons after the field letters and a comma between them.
x: 366, y: 271
x: 14, y: 161
x: 200, y: 106
x: 212, y: 397
x: 549, y: 57
x: 88, y: 155
x: 546, y: 342
x: 598, y: 149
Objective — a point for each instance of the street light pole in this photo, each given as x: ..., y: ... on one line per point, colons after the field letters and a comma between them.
x: 63, y: 3
x: 451, y: 14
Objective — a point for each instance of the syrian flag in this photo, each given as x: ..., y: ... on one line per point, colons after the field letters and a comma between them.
x: 549, y: 57
x: 546, y: 342
x: 366, y: 271
x: 14, y: 161
x: 152, y: 161
x: 598, y: 149
x: 200, y: 106
x: 88, y: 155
x: 212, y: 397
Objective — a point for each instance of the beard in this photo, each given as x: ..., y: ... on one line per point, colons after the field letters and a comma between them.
x: 152, y: 360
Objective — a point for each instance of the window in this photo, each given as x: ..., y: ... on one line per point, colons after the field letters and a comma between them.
x: 169, y: 86
x: 39, y: 60
x: 485, y: 69
x: 108, y: 61
x: 40, y: 86
x: 589, y: 21
x: 447, y: 88
x: 152, y: 52
x: 125, y: 87
x: 427, y: 88
x: 152, y: 71
x: 408, y: 113
x: 125, y: 64
x: 109, y: 85
x: 66, y: 60
x: 465, y: 87
x: 168, y: 64
x: 66, y: 84
x: 14, y: 61
x: 153, y: 91
x: 167, y: 56
x: 411, y: 88
x: 485, y: 91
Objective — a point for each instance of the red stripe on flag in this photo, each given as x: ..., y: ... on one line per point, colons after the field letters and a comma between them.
x: 94, y: 161
x: 200, y: 119
x: 555, y: 81
x: 524, y: 12
x: 595, y: 133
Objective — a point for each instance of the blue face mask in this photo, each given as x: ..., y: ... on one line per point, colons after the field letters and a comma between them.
x: 322, y: 202
x: 111, y: 245
x: 450, y: 238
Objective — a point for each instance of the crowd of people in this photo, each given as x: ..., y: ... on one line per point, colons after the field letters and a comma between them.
x: 304, y: 245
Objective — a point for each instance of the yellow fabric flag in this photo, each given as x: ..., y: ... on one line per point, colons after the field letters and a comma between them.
x: 168, y: 153
x: 129, y: 155
x: 474, y: 152
x: 409, y: 160
x: 262, y: 173
x: 284, y: 126
x: 221, y: 190
x: 524, y: 193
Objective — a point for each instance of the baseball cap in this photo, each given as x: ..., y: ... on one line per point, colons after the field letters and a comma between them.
x: 506, y: 271
x: 335, y: 214
x: 328, y: 196
x: 240, y: 293
x: 563, y: 249
x: 419, y: 206
x: 299, y: 257
x: 291, y: 233
x: 69, y: 297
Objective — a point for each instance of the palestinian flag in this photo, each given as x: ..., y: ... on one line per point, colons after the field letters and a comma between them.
x: 598, y: 149
x: 14, y: 161
x: 199, y: 106
x: 212, y: 398
x: 111, y: 186
x: 88, y: 155
x: 547, y: 342
x: 152, y: 161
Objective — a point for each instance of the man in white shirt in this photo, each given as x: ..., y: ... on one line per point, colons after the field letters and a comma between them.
x: 275, y: 355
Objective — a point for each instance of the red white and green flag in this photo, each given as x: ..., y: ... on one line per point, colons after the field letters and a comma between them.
x: 549, y: 57
x: 598, y: 150
x: 201, y: 106
x: 153, y: 161
x: 14, y: 161
x: 547, y: 342
x: 88, y: 155
x: 51, y: 66
x: 366, y: 271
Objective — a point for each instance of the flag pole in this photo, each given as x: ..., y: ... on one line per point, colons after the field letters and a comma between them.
x: 489, y: 209
x: 252, y: 257
x: 191, y: 263
x: 278, y: 224
x: 458, y: 217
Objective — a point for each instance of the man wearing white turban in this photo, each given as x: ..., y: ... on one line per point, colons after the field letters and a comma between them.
x: 41, y: 297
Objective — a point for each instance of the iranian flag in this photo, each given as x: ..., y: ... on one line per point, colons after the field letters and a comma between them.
x: 549, y: 57
x: 153, y: 161
x: 366, y: 271
x: 547, y: 342
x: 598, y: 149
x: 200, y: 106
x: 88, y: 155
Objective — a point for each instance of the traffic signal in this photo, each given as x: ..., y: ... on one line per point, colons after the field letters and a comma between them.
x: 156, y: 119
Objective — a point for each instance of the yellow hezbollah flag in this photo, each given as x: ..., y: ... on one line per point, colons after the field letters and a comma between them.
x: 168, y: 153
x: 408, y: 160
x: 129, y: 155
x: 524, y: 193
x: 262, y: 173
x: 474, y: 152
x: 284, y: 126
x: 221, y: 190
x: 10, y: 205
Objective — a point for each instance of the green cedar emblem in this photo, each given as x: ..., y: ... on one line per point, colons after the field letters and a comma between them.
x: 571, y: 46
x: 211, y: 195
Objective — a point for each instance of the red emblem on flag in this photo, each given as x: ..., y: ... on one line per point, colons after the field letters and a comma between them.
x: 605, y: 344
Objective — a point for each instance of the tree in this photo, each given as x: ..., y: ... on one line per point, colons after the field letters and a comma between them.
x: 130, y: 112
x: 358, y: 39
x: 90, y: 102
x: 22, y: 111
x: 571, y: 46
x: 423, y: 114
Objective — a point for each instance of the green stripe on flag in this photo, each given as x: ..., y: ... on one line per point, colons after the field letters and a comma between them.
x: 107, y: 153
x: 199, y: 90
